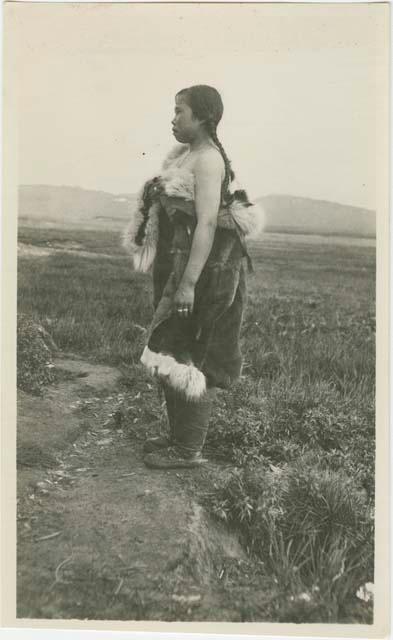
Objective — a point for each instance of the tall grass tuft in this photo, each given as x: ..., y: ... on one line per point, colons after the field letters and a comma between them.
x: 312, y: 528
x: 34, y: 356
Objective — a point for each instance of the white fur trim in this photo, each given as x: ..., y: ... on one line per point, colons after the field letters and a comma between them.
x: 143, y: 256
x: 179, y: 183
x: 183, y: 377
x: 251, y: 220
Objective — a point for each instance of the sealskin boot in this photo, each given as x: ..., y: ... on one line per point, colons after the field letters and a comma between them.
x: 162, y: 442
x: 190, y: 429
x: 192, y: 421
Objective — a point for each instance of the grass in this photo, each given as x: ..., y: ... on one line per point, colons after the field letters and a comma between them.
x: 93, y: 241
x: 94, y: 307
x: 311, y: 526
x: 298, y: 428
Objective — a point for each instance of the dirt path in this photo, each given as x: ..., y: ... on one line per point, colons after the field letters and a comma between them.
x: 99, y: 535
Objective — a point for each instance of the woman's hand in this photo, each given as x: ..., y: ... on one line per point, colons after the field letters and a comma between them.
x: 184, y: 300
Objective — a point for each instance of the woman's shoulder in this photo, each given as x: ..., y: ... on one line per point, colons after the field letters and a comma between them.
x: 209, y: 160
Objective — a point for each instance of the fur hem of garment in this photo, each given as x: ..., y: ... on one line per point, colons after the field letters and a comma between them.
x: 180, y: 183
x: 185, y: 378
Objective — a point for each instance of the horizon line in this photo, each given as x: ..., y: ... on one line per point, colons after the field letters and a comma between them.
x: 135, y: 194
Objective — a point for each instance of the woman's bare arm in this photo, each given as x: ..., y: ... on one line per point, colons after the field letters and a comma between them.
x: 208, y: 173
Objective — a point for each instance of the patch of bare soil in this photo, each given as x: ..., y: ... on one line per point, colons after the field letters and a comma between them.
x: 100, y: 536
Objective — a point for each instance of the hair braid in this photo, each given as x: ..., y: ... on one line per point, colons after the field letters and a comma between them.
x: 229, y: 173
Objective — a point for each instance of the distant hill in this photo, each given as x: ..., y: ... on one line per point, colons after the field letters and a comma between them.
x: 305, y: 215
x: 71, y: 206
x: 65, y: 206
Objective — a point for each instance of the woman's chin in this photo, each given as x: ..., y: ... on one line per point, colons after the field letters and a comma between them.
x: 177, y: 136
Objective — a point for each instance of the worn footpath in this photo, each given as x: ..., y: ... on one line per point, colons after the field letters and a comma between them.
x: 100, y: 536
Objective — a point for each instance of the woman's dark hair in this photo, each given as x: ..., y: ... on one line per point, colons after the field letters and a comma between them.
x: 206, y: 104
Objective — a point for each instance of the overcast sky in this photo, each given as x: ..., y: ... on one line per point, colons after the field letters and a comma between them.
x: 96, y: 90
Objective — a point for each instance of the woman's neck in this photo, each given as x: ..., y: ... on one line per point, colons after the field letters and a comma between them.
x: 202, y: 141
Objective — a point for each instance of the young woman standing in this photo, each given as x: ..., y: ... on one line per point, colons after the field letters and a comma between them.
x: 191, y: 228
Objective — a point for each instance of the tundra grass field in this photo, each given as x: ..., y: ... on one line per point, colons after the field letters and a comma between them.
x: 296, y: 432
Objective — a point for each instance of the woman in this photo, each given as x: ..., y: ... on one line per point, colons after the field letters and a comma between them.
x: 191, y: 228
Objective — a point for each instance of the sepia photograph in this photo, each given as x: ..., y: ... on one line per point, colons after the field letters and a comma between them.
x: 200, y: 193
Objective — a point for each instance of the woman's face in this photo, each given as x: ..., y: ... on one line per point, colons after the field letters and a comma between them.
x: 185, y: 126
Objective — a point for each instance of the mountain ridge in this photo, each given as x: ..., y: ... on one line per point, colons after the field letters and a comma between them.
x: 74, y: 205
